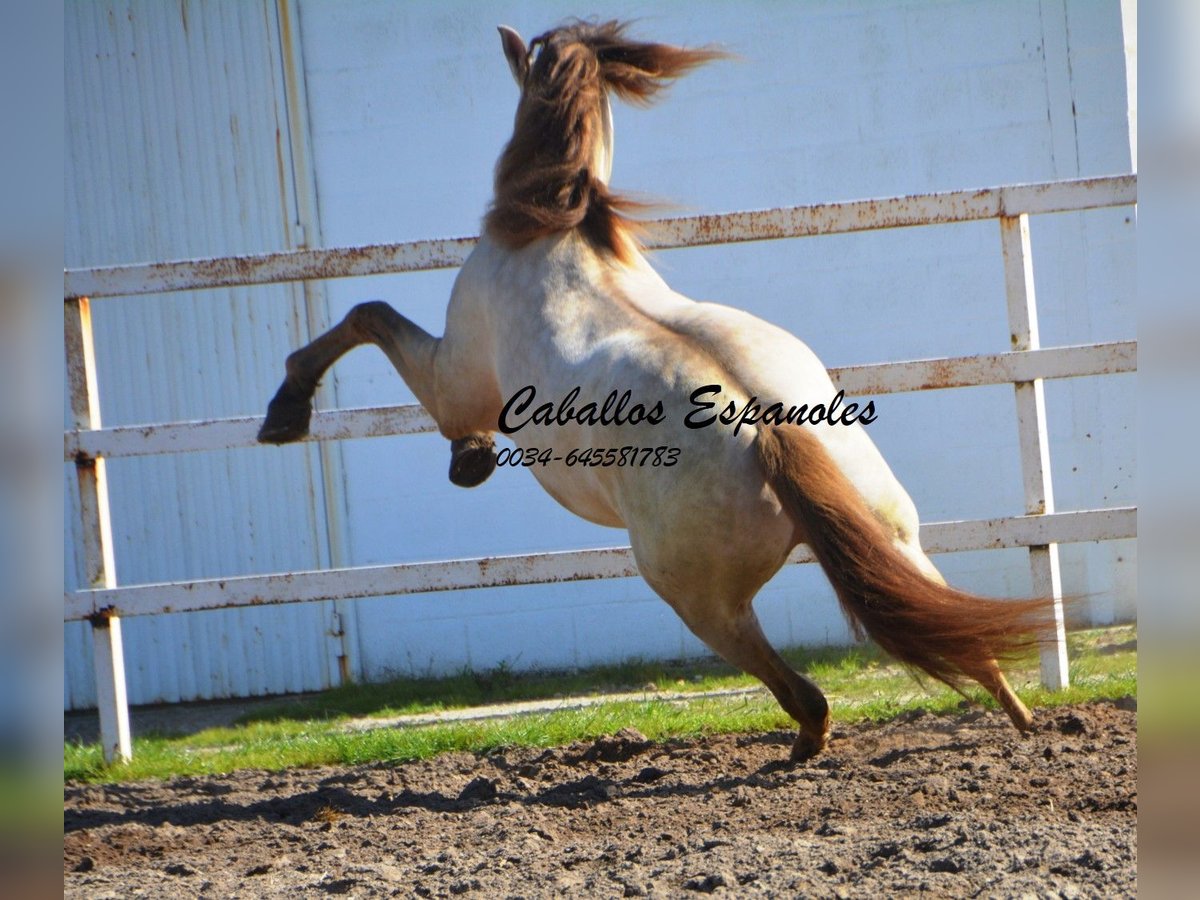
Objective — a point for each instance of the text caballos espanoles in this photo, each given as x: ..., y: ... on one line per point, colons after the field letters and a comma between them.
x: 619, y: 408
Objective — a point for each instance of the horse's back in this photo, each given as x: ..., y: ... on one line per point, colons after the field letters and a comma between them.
x: 565, y: 318
x: 763, y: 361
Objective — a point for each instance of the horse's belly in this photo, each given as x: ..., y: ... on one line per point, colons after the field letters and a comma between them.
x: 556, y: 465
x: 575, y: 494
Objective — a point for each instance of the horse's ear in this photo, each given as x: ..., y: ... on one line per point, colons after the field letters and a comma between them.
x: 515, y: 53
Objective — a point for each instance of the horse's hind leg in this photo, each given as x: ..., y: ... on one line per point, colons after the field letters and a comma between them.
x: 741, y: 642
x: 411, y: 350
x: 994, y: 682
x: 988, y: 674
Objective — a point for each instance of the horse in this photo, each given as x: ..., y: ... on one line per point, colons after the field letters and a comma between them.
x: 561, y: 334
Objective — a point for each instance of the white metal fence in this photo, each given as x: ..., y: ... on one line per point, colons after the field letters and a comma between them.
x: 103, y: 603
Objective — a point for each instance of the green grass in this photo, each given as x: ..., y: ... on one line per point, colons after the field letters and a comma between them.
x: 503, y: 685
x: 859, y: 682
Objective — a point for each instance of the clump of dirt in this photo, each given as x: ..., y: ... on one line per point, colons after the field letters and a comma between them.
x: 951, y: 805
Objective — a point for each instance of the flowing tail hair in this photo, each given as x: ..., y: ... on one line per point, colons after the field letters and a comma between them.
x: 946, y: 633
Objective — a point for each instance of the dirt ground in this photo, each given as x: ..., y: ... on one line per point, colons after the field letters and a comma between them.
x: 954, y: 806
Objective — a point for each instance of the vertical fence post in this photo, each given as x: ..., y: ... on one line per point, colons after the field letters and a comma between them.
x: 345, y: 664
x: 96, y: 535
x: 1035, y: 446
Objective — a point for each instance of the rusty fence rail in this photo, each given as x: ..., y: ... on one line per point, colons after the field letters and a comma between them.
x: 1040, y: 529
x: 665, y: 234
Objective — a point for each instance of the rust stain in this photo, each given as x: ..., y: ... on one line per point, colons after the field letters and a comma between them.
x: 942, y: 374
x: 101, y: 617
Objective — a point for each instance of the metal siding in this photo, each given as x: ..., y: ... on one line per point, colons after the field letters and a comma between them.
x: 177, y: 146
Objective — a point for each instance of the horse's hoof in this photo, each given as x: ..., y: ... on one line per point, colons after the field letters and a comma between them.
x: 1020, y: 716
x: 807, y: 746
x: 288, y: 416
x: 1023, y: 723
x: 472, y: 460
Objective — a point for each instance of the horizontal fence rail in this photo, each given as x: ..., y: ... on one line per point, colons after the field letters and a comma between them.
x: 544, y: 568
x: 665, y: 234
x: 382, y: 421
x: 89, y: 445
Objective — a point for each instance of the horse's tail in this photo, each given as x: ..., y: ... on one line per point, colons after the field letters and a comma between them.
x: 946, y: 633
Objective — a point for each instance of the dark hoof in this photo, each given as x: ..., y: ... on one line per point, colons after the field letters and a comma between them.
x: 288, y: 415
x: 807, y: 746
x: 472, y: 460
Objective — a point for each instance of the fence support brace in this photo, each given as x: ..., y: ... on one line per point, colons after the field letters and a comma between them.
x: 1032, y: 433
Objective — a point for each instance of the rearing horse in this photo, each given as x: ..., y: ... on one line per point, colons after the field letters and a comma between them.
x: 557, y: 296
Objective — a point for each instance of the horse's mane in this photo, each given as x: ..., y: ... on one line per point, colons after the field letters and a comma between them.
x: 544, y: 183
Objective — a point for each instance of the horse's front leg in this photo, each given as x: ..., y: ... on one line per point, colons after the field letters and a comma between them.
x: 411, y: 349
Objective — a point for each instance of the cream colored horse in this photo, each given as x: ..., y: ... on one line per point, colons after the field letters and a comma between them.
x: 556, y: 301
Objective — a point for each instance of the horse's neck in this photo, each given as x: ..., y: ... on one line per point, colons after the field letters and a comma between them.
x: 550, y: 267
x: 603, y: 154
x: 560, y: 291
x: 585, y: 283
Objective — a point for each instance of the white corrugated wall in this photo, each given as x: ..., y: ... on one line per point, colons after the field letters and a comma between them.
x: 177, y: 146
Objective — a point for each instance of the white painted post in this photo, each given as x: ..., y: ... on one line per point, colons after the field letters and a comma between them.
x: 1035, y: 446
x: 96, y: 535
